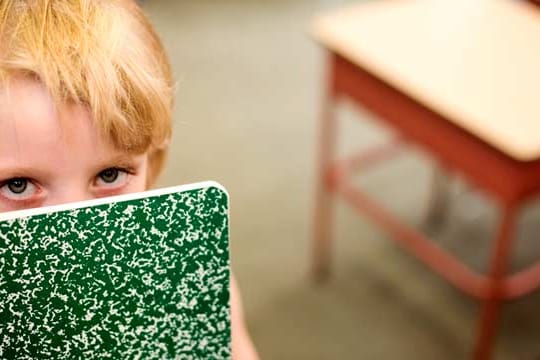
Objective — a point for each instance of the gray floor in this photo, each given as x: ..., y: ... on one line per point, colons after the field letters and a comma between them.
x: 249, y: 84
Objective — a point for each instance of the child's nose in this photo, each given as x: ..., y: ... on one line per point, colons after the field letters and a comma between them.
x: 71, y: 195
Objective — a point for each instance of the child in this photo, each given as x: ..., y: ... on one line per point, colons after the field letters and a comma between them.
x: 86, y: 93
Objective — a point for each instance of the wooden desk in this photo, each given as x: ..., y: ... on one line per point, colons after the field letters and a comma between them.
x: 461, y: 80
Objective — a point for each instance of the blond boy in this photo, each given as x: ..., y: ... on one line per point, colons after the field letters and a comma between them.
x: 86, y: 94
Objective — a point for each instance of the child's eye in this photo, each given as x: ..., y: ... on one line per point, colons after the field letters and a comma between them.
x: 111, y: 177
x: 18, y: 189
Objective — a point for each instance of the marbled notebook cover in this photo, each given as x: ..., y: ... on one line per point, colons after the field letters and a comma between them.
x: 141, y: 277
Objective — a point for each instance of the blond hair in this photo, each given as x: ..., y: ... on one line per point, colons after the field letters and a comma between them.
x: 100, y: 53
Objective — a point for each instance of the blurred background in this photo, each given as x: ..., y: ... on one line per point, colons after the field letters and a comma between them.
x: 250, y: 82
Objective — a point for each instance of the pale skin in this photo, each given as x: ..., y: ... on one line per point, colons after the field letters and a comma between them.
x: 50, y: 156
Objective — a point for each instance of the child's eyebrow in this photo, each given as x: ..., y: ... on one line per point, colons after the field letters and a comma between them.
x: 125, y: 160
x: 20, y: 171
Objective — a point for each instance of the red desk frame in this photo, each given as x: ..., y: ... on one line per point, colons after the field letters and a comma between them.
x: 510, y: 182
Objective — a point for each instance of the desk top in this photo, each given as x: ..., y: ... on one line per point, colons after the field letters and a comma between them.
x: 477, y: 63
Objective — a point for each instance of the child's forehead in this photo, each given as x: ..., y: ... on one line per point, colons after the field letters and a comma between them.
x: 35, y: 138
x: 20, y: 94
x: 29, y: 118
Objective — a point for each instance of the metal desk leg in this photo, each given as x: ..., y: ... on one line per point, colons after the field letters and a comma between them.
x: 322, y: 226
x: 498, y: 268
x: 437, y: 210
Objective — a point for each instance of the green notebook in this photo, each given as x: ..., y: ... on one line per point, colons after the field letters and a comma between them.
x: 141, y: 276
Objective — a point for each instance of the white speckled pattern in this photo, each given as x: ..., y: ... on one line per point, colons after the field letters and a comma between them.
x: 138, y: 279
